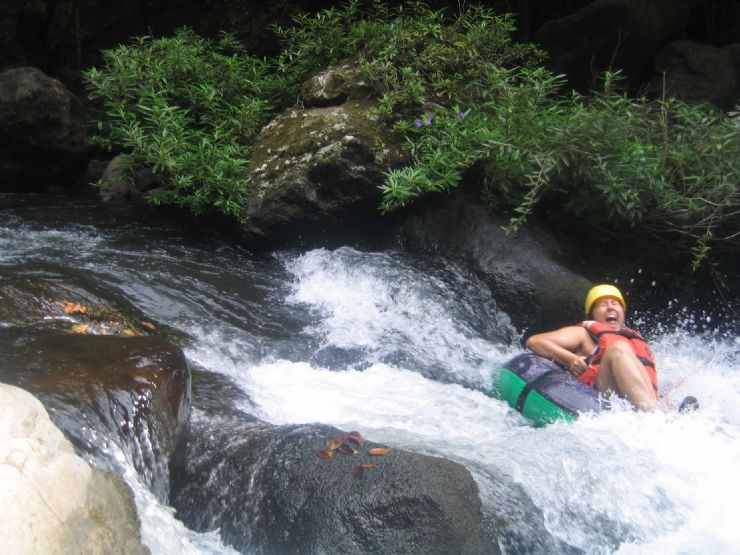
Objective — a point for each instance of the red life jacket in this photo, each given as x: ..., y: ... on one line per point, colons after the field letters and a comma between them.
x: 606, y: 336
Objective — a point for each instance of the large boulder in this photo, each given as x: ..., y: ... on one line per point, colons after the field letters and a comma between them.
x: 319, y: 164
x: 697, y: 72
x: 43, y: 139
x: 284, y: 498
x: 534, y: 277
x: 133, y: 391
x: 53, y: 501
x: 611, y: 34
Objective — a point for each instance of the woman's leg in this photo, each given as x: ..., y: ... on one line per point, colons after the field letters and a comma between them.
x: 621, y: 372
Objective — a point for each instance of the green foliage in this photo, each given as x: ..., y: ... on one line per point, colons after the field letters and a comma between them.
x: 614, y: 164
x: 464, y: 95
x: 188, y: 108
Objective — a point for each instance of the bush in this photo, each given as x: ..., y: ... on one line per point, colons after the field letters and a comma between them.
x: 188, y: 108
x: 616, y: 165
x: 464, y: 95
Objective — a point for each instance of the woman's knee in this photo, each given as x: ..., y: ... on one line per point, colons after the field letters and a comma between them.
x: 619, y: 348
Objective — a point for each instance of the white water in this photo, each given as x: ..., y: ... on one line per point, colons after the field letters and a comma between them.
x: 372, y: 342
x: 667, y: 483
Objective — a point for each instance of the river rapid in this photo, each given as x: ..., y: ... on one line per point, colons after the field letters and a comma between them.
x: 401, y: 348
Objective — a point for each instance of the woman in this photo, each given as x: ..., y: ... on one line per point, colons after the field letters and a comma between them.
x: 602, y: 352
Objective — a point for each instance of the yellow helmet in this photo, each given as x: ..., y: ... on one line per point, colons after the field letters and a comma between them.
x: 601, y: 291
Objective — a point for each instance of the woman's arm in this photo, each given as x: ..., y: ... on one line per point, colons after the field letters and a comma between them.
x: 566, y: 346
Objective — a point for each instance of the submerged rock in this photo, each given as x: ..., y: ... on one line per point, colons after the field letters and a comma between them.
x: 268, y: 491
x: 53, y: 501
x: 51, y: 303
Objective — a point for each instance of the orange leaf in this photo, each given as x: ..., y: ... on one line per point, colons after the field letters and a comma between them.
x: 379, y: 451
x: 74, y: 308
x: 325, y: 454
x: 356, y: 436
x: 332, y: 444
x: 130, y: 333
x: 345, y: 449
x: 367, y: 466
x: 79, y: 328
x: 148, y: 325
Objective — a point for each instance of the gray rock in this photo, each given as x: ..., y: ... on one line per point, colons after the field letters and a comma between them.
x: 319, y: 166
x: 43, y: 140
x: 531, y: 274
x: 698, y: 73
x: 132, y: 391
x: 268, y: 492
x: 53, y: 501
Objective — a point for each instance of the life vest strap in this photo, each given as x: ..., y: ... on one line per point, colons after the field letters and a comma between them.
x: 627, y: 334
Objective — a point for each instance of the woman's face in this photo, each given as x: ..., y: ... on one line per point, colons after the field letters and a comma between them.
x: 609, y: 311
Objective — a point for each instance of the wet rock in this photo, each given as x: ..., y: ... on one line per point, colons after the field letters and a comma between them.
x: 53, y: 501
x: 43, y: 140
x: 134, y: 391
x: 611, y: 34
x: 698, y: 73
x: 533, y: 276
x: 52, y: 304
x: 116, y: 186
x: 268, y: 492
x: 317, y: 167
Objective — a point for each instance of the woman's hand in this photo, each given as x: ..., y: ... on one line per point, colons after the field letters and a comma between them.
x: 578, y: 366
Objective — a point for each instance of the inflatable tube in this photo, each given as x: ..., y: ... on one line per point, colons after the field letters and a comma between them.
x: 542, y: 391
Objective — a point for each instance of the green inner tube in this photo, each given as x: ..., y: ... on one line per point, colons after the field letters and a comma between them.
x: 542, y: 392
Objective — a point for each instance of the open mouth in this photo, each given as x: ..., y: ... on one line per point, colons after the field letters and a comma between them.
x: 611, y: 319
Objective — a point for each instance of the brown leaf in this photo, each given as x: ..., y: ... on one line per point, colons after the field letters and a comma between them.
x: 345, y: 449
x: 367, y: 466
x: 326, y: 454
x: 356, y: 436
x: 357, y: 472
x: 379, y: 451
x: 74, y: 308
x: 332, y: 444
x: 148, y: 325
x: 79, y: 328
x: 130, y: 333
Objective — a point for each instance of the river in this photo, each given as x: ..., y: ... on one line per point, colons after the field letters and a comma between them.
x: 400, y: 348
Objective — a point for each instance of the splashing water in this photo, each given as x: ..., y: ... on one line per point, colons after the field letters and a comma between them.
x: 401, y: 349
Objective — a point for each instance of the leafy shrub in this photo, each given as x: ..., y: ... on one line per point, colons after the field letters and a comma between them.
x: 614, y: 164
x: 464, y: 95
x: 188, y: 108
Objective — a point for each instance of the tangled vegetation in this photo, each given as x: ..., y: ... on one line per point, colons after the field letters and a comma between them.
x: 188, y: 108
x: 464, y: 95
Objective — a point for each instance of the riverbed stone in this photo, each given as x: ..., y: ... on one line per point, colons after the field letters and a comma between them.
x: 133, y: 390
x: 53, y: 501
x: 535, y: 277
x: 267, y: 489
x: 43, y: 137
x: 65, y: 305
